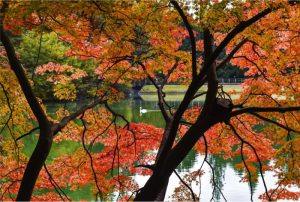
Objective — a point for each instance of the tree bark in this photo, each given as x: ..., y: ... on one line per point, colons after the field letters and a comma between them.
x: 35, y: 164
x: 44, y: 143
x: 159, y: 178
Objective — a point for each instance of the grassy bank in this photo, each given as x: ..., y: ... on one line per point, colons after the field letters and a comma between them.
x: 176, y: 92
x: 176, y: 89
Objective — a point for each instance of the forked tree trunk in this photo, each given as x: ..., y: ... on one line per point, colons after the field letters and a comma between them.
x: 44, y: 143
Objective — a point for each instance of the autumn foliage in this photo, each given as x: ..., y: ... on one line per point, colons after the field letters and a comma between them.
x: 137, y: 40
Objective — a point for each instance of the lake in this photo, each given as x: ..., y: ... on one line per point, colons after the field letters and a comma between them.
x: 227, y: 177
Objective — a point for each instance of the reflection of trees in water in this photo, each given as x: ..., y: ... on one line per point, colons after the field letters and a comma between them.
x: 131, y: 110
x: 241, y: 172
x: 188, y: 162
x: 219, y: 166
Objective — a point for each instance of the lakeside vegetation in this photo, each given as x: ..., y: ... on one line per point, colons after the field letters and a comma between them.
x: 174, y: 93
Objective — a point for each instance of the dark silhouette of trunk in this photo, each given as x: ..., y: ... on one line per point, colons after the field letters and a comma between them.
x: 162, y: 193
x: 159, y: 178
x: 35, y: 164
x: 169, y: 158
x: 44, y: 143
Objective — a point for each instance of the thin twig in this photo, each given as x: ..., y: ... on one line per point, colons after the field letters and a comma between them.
x: 185, y: 184
x: 257, y: 157
x: 28, y: 133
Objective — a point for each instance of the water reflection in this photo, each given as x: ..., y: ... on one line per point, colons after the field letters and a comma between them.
x: 226, y: 177
x: 138, y: 111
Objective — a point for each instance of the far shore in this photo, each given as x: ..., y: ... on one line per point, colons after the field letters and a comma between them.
x: 176, y: 92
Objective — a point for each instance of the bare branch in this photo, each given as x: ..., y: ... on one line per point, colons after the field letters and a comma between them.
x: 212, y: 169
x: 255, y: 94
x: 100, y: 134
x: 38, y: 56
x: 257, y: 157
x: 231, y: 54
x: 116, y: 114
x: 256, y: 65
x: 9, y: 106
x: 151, y: 167
x: 191, y: 34
x: 90, y: 156
x: 22, y: 79
x: 274, y: 122
x: 159, y: 93
x: 199, y: 95
x: 169, y: 74
x: 55, y: 185
x: 249, y: 173
x: 28, y: 133
x: 239, y: 28
x: 263, y: 109
x: 185, y: 184
x: 58, y: 127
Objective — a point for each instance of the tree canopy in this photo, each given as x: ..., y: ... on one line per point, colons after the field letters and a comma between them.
x: 95, y: 46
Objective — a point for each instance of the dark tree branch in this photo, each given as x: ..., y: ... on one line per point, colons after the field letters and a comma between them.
x: 231, y: 54
x: 28, y: 133
x: 212, y: 169
x: 263, y: 109
x: 191, y: 34
x: 55, y: 185
x: 274, y: 122
x: 185, y: 184
x: 204, y: 160
x: 98, y: 6
x: 248, y: 171
x: 38, y: 56
x: 151, y: 167
x: 254, y: 50
x: 100, y: 134
x: 212, y: 82
x: 199, y: 95
x: 256, y: 154
x: 22, y: 79
x: 58, y: 127
x: 238, y: 29
x: 44, y: 143
x: 160, y: 93
x: 257, y: 67
x: 115, y: 114
x: 169, y: 74
x: 240, y: 105
x: 9, y: 106
x: 90, y: 156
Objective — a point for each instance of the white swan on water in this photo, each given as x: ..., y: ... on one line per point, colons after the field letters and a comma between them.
x: 143, y: 111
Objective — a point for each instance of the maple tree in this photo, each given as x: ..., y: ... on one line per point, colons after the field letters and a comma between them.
x: 127, y: 41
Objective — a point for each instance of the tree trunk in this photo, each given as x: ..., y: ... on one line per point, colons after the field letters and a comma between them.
x: 161, y: 195
x: 35, y: 164
x: 44, y: 143
x: 160, y: 176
